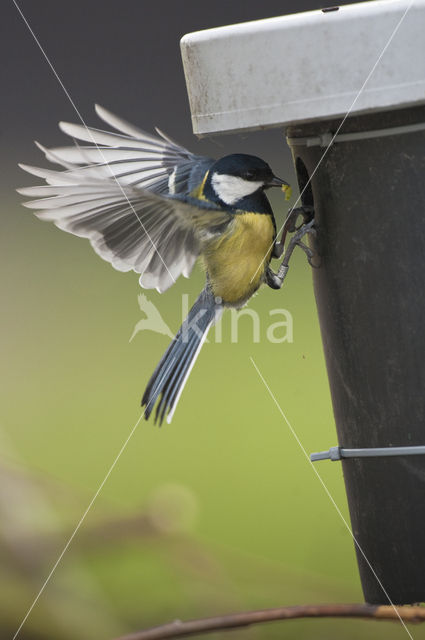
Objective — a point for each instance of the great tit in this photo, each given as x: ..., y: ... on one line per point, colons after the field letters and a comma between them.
x: 149, y: 205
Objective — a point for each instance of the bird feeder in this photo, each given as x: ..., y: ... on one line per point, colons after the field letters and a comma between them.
x: 347, y: 84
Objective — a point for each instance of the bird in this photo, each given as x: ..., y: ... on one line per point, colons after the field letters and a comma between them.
x: 149, y: 205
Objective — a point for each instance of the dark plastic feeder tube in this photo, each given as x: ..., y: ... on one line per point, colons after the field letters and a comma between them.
x: 368, y: 192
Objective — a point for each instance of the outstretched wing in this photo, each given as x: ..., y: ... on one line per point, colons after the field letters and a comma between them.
x: 127, y: 193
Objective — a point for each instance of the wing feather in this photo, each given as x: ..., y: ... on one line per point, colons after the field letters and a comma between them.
x: 118, y: 194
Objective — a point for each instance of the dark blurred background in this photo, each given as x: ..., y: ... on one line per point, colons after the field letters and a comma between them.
x: 219, y: 511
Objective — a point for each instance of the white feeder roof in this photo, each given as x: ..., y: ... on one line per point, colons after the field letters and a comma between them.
x: 307, y: 66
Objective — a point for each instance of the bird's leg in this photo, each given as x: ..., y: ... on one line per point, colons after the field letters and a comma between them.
x: 290, y: 225
x: 275, y: 280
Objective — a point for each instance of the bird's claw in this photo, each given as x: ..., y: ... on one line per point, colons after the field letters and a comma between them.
x: 290, y: 226
x: 307, y: 229
x: 275, y: 280
x: 301, y: 231
x: 309, y: 253
x: 305, y: 211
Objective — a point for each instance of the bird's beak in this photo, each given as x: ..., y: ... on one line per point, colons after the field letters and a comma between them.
x: 278, y: 182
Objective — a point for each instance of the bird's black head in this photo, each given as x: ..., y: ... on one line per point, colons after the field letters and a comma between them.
x: 239, y: 176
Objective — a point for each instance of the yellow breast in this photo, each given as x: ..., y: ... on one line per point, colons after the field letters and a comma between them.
x: 236, y: 262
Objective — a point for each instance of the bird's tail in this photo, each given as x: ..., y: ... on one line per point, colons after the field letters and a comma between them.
x: 170, y: 376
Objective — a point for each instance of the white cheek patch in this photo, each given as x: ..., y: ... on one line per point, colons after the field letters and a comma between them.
x: 230, y: 189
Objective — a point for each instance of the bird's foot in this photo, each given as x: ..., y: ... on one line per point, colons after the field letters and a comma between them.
x: 305, y: 211
x: 275, y: 280
x: 291, y: 225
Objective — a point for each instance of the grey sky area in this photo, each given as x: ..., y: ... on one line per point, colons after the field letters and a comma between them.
x: 123, y: 55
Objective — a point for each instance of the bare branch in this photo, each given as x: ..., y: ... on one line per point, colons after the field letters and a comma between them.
x: 178, y: 628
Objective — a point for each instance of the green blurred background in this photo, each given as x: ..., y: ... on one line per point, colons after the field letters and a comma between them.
x: 219, y: 511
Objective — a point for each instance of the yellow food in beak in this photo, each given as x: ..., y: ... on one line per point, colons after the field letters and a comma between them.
x: 287, y: 190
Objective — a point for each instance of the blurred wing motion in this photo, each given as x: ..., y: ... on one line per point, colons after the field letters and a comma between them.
x: 128, y: 194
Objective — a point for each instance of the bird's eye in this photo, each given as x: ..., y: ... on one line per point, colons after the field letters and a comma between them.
x: 249, y: 175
